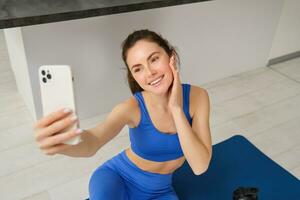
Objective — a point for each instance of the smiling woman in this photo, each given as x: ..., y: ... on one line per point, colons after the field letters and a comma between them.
x: 155, y: 51
x: 168, y: 123
x: 149, y: 66
x: 158, y: 149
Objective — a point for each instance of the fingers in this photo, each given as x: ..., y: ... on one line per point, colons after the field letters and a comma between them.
x: 51, y: 131
x: 173, y: 64
x: 57, y: 140
x: 174, y: 68
x: 56, y: 149
x: 49, y: 119
x: 55, y: 127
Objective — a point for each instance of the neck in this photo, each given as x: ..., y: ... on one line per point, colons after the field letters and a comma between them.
x: 159, y: 101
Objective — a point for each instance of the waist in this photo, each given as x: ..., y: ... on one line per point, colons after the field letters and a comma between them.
x: 166, y: 167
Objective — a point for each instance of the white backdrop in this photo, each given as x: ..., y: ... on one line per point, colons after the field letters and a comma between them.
x: 215, y: 39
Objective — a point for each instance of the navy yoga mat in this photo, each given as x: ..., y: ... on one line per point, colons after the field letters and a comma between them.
x: 236, y: 162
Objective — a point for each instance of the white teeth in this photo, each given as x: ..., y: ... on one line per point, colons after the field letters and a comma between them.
x: 156, y: 81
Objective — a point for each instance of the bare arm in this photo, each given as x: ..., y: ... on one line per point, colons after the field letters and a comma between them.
x: 195, y: 140
x: 92, y: 139
x: 98, y: 136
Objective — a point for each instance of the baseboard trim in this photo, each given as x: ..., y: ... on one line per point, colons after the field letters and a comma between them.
x: 283, y: 58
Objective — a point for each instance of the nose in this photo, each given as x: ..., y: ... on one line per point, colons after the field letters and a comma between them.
x: 150, y: 71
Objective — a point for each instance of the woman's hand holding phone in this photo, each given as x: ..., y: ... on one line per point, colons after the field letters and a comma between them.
x: 51, y: 134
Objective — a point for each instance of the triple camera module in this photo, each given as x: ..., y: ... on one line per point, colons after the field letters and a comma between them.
x: 46, y: 76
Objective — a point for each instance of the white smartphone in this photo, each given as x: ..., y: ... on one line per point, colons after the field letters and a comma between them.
x: 56, y: 84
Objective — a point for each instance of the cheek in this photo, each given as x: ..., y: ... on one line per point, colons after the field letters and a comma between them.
x: 139, y: 79
x: 168, y: 67
x: 168, y: 78
x: 169, y: 74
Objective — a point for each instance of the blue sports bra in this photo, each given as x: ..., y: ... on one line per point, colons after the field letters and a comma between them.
x: 151, y: 144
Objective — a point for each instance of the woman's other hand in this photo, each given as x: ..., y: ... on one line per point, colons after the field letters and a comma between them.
x: 175, y: 92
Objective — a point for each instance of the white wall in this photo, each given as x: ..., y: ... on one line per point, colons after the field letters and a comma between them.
x: 18, y: 62
x: 287, y: 37
x: 215, y: 39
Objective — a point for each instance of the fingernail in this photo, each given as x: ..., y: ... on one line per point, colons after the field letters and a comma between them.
x: 78, y: 131
x: 67, y: 110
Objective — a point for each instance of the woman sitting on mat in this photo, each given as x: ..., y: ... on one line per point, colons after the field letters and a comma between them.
x: 168, y: 122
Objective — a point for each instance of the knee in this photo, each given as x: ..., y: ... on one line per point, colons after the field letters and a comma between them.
x: 97, y: 184
x: 106, y: 184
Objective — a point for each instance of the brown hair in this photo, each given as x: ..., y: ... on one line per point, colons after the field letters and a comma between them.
x: 130, y: 42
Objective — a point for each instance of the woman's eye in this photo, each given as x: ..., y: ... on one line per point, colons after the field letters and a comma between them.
x: 136, y: 70
x: 154, y: 59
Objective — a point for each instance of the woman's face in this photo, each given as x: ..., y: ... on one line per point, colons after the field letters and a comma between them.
x: 149, y: 65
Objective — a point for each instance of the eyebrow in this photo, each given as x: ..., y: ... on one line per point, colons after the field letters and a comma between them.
x: 147, y: 58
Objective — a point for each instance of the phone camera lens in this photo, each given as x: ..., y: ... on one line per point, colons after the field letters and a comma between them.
x: 44, y: 80
x: 43, y: 72
x: 49, y: 76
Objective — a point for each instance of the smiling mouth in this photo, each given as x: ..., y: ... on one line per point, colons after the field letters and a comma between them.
x: 157, y: 81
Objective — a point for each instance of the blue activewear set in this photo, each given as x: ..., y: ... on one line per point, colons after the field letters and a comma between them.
x: 120, y: 179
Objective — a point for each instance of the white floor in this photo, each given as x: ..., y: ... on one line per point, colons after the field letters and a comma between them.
x: 263, y: 105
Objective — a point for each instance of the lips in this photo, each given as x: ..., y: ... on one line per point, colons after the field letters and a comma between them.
x: 156, y: 81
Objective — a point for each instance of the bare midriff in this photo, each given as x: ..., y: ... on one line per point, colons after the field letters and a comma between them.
x: 166, y: 167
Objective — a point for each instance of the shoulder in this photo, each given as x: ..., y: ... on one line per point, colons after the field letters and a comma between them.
x: 198, y: 92
x: 129, y: 109
x: 198, y: 98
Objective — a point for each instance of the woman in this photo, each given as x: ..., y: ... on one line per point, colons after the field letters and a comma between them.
x: 168, y: 122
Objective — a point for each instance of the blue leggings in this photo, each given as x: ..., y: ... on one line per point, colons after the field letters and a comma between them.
x: 120, y: 179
